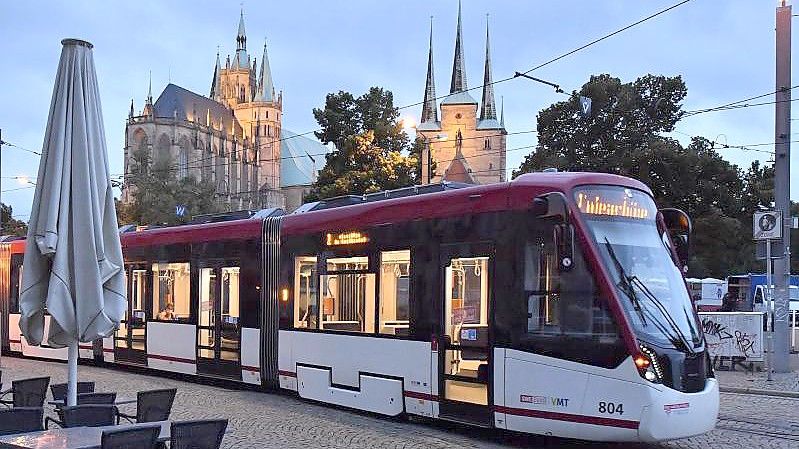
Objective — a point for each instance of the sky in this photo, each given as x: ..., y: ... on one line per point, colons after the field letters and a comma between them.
x: 724, y: 52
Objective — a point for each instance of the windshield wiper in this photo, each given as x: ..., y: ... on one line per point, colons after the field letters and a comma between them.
x: 651, y: 296
x: 624, y: 282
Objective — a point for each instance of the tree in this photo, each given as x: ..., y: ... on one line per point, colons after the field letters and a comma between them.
x: 12, y: 226
x: 373, y: 153
x: 623, y: 135
x: 157, y: 192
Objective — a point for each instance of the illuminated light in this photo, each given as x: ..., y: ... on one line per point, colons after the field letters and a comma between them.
x: 642, y: 362
x: 284, y: 294
x: 345, y: 238
x: 650, y: 376
x: 597, y: 205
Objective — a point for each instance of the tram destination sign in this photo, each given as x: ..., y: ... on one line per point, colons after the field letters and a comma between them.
x: 767, y: 225
x: 345, y: 238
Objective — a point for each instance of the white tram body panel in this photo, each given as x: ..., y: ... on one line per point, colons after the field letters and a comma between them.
x: 250, y: 355
x: 172, y: 347
x: 44, y: 352
x: 14, y: 334
x: 380, y: 375
x: 549, y: 396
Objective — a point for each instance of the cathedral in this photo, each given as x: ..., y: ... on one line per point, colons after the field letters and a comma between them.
x: 233, y: 138
x: 468, y: 142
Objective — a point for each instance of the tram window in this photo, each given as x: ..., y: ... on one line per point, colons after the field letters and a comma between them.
x: 306, y: 293
x: 394, y: 292
x: 16, y: 283
x: 348, y: 295
x: 206, y: 322
x: 171, y: 291
x: 562, y: 303
x: 467, y: 300
x: 230, y: 295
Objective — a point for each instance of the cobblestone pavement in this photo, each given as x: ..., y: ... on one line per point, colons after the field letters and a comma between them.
x: 269, y: 420
x: 786, y: 382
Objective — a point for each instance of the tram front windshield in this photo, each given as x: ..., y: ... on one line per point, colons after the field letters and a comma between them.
x: 623, y: 226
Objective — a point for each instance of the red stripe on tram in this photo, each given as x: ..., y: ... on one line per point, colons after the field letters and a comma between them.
x: 417, y: 395
x: 253, y: 369
x: 582, y: 419
x: 287, y: 373
x: 171, y: 359
x: 14, y: 341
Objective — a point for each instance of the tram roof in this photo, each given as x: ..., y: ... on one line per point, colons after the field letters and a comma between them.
x: 516, y: 194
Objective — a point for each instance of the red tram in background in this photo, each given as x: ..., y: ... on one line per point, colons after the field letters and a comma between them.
x: 552, y: 304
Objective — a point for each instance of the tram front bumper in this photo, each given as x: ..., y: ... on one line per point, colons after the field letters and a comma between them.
x: 673, y: 414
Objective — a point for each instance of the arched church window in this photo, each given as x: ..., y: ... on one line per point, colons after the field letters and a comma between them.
x: 162, y: 150
x: 183, y: 163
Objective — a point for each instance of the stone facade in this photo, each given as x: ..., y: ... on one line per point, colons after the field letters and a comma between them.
x: 468, y: 143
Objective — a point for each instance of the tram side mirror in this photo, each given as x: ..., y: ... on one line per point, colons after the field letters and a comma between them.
x: 554, y: 205
x: 678, y: 227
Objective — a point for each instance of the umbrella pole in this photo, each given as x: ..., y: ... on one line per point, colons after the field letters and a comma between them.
x: 72, y: 379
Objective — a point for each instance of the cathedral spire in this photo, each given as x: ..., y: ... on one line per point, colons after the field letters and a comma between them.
x: 266, y: 90
x: 150, y: 89
x: 458, y: 64
x: 148, y: 103
x: 429, y: 107
x: 241, y: 60
x: 215, y: 84
x: 241, y: 37
x: 488, y: 111
x: 502, y: 113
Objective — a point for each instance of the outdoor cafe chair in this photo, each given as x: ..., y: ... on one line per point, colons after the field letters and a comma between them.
x: 27, y: 392
x: 20, y: 419
x: 152, y: 405
x: 59, y: 391
x: 83, y: 399
x: 130, y: 438
x: 201, y: 434
x: 88, y: 415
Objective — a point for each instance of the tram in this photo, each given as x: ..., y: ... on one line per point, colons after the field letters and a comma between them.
x: 551, y: 304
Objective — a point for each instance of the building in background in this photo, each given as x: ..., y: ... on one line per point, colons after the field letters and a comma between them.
x: 468, y: 143
x: 233, y: 138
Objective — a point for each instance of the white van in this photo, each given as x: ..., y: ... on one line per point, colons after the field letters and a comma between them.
x: 793, y: 294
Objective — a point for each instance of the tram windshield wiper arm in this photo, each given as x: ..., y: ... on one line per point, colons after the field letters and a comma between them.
x: 637, y: 282
x: 624, y: 282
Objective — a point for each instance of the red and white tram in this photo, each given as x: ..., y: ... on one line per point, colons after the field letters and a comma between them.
x: 551, y: 304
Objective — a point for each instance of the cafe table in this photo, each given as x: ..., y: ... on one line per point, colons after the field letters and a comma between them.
x: 123, y: 400
x: 73, y: 437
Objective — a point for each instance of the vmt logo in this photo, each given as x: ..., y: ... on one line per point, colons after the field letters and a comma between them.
x: 560, y: 402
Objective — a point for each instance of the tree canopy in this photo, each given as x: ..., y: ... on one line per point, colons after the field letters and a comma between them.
x: 373, y: 153
x: 157, y: 192
x: 12, y: 226
x: 623, y: 135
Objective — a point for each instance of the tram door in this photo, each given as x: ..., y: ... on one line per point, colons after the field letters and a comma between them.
x: 218, y: 328
x: 464, y: 347
x: 130, y: 340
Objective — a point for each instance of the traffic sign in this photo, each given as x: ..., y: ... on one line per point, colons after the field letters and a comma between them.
x: 585, y: 106
x: 767, y: 225
x: 180, y: 210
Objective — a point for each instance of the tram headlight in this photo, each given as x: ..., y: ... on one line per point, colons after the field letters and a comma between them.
x: 648, y: 366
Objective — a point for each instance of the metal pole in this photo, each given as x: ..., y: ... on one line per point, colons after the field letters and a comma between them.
x: 782, y: 128
x: 769, y: 299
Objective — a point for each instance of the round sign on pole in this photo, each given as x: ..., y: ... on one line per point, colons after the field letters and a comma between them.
x: 767, y: 225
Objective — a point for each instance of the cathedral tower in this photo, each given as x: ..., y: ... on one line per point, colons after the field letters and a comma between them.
x: 464, y: 146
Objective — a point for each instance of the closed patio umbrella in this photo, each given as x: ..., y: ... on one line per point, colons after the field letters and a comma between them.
x: 73, y: 258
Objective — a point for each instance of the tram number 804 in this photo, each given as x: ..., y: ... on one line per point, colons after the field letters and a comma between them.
x: 611, y: 408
